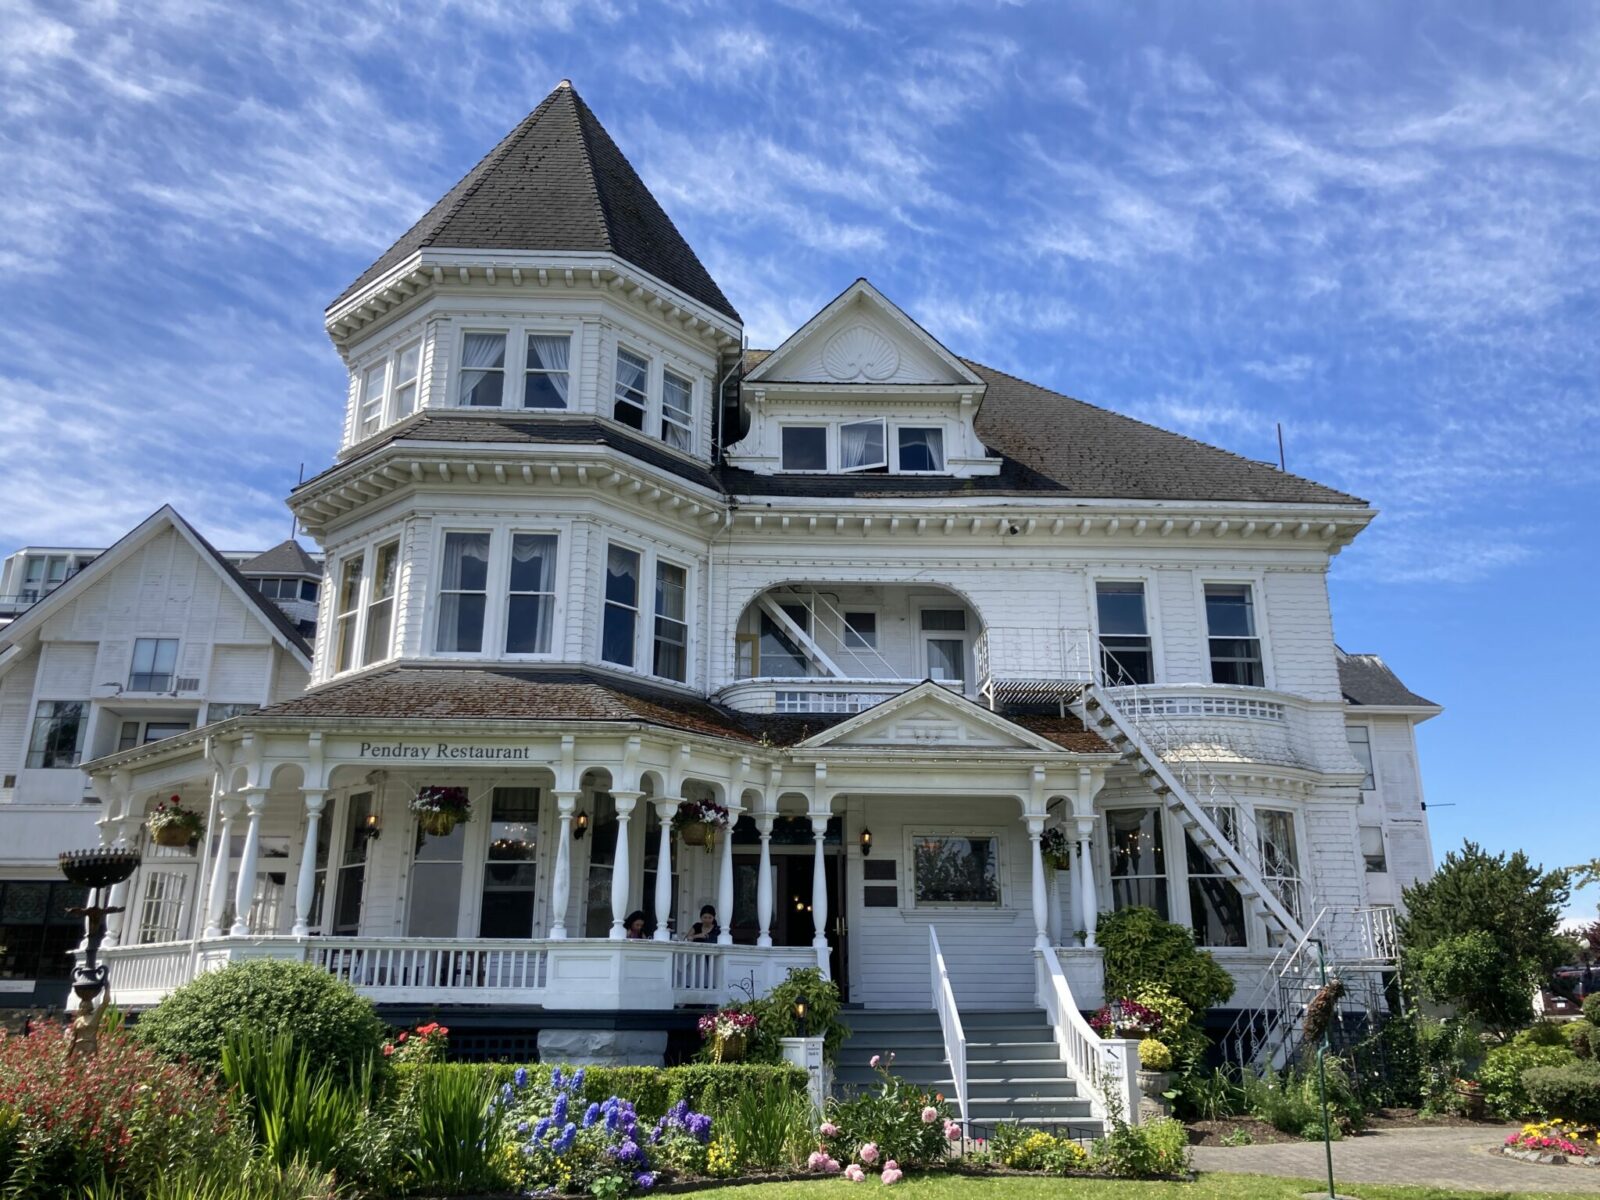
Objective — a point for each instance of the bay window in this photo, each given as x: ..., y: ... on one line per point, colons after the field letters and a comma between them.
x: 347, y: 613
x: 380, y: 607
x: 677, y: 411
x: 370, y: 415
x: 1216, y: 909
x: 632, y: 389
x: 671, y: 658
x: 531, y: 604
x: 463, y: 593
x: 1235, y: 646
x: 620, y: 623
x: 920, y: 449
x: 483, y: 370
x: 388, y: 389
x: 546, y: 374
x: 1124, y: 634
x: 1138, y: 859
x: 58, y: 729
x: 655, y: 641
x: 407, y: 368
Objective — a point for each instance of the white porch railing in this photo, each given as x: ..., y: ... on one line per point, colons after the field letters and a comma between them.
x: 574, y: 973
x: 1106, y: 1070
x: 955, y: 1039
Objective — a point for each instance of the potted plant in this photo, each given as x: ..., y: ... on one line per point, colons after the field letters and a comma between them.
x: 1055, y: 849
x: 1155, y: 1075
x: 728, y: 1030
x: 171, y: 824
x: 696, y: 822
x: 1470, y: 1093
x: 441, y: 809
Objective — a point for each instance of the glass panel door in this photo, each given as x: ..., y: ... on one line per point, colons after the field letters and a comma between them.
x: 510, y: 877
x: 352, y: 881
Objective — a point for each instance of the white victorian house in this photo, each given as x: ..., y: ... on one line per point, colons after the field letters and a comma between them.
x: 912, y: 621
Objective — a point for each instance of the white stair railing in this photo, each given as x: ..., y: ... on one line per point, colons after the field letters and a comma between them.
x: 955, y: 1039
x: 1107, y: 1080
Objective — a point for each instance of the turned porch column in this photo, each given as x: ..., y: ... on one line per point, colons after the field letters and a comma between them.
x: 306, y: 886
x: 244, y: 895
x: 561, y: 874
x: 217, y: 901
x: 764, y: 881
x: 819, y: 888
x: 118, y: 832
x: 621, y: 880
x: 666, y: 806
x: 1041, y: 898
x: 1088, y: 902
x: 725, y: 880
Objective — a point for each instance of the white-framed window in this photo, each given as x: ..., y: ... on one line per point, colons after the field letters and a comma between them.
x: 631, y: 389
x: 510, y: 873
x: 670, y: 659
x: 951, y: 869
x: 1125, y: 656
x: 1216, y: 909
x: 1234, y: 642
x: 860, y: 630
x: 483, y: 369
x: 944, y: 642
x: 389, y: 389
x: 677, y: 411
x: 919, y: 450
x: 1372, y: 850
x: 863, y: 446
x: 347, y: 611
x: 374, y: 385
x: 155, y: 665
x: 406, y: 381
x: 58, y: 729
x: 379, y: 640
x: 546, y: 374
x: 142, y: 733
x: 463, y: 592
x: 1280, y: 855
x: 1136, y: 848
x: 804, y: 447
x: 1360, y: 739
x: 531, y: 593
x: 619, y: 629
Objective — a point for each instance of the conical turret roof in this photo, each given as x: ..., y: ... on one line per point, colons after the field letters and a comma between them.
x: 558, y: 182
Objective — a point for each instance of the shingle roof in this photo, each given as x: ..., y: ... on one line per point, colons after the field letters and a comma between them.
x: 1051, y: 443
x: 288, y: 557
x: 405, y: 693
x: 557, y: 182
x: 1365, y: 679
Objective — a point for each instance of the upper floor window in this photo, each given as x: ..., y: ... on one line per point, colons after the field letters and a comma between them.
x: 1372, y: 850
x: 1235, y: 646
x: 619, y: 625
x: 380, y: 604
x: 286, y: 589
x: 944, y: 638
x: 389, y: 389
x: 142, y: 733
x: 519, y: 571
x: 463, y: 593
x: 1360, y: 739
x: 632, y: 389
x: 670, y: 659
x: 347, y: 612
x: 1124, y: 634
x: 155, y: 664
x: 677, y: 411
x: 483, y: 370
x: 58, y: 728
x: 666, y: 648
x: 531, y: 604
x: 546, y: 374
x: 862, y: 446
x: 222, y: 712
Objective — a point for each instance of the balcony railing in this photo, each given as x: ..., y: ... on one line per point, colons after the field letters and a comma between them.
x: 1033, y: 665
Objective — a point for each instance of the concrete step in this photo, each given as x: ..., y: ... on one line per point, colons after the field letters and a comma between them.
x: 1019, y: 1108
x: 994, y: 1070
x: 1012, y: 1051
x: 1052, y: 1087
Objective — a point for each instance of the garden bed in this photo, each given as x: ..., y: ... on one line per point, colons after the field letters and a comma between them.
x: 1212, y: 1133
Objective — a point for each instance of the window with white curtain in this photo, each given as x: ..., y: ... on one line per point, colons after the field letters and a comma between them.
x: 632, y: 389
x: 862, y: 446
x: 671, y: 657
x: 403, y: 387
x: 620, y: 623
x: 372, y: 397
x: 546, y: 375
x: 920, y: 448
x: 531, y: 603
x: 677, y: 411
x: 380, y: 606
x: 347, y: 612
x: 463, y: 593
x: 483, y: 370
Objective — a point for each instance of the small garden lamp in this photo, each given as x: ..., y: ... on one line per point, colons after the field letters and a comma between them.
x: 800, y: 1015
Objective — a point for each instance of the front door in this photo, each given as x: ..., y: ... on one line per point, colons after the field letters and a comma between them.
x: 793, y: 913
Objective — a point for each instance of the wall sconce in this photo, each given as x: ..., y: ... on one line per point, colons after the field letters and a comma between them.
x: 370, y: 828
x: 580, y: 826
x: 866, y: 842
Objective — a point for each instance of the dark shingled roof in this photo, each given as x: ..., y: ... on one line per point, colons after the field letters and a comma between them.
x: 557, y: 182
x: 563, y: 694
x: 1365, y: 679
x: 288, y: 557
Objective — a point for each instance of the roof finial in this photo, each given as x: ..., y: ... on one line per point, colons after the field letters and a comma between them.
x: 565, y: 83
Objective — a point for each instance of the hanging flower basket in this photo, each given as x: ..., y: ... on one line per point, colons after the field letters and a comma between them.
x: 697, y: 821
x: 171, y: 824
x: 1055, y: 851
x: 729, y: 1032
x: 441, y: 809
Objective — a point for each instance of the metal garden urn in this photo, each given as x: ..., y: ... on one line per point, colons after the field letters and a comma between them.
x: 98, y: 870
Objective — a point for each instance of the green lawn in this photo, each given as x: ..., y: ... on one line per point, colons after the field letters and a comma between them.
x: 1208, y: 1187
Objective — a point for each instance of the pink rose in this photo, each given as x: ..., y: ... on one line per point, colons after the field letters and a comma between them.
x: 874, y: 1061
x: 855, y: 1174
x: 828, y: 1129
x: 952, y: 1131
x: 868, y: 1153
x: 891, y: 1172
x: 930, y: 1115
x: 816, y: 1160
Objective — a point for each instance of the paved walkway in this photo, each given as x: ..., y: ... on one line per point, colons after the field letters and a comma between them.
x: 1463, y: 1157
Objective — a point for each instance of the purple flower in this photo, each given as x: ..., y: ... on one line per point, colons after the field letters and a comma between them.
x: 522, y: 1127
x: 563, y: 1143
x: 645, y: 1180
x: 577, y: 1080
x: 542, y: 1128
x: 559, y: 1112
x: 591, y: 1115
x: 555, y: 1078
x: 699, y: 1127
x: 521, y: 1077
x: 629, y: 1153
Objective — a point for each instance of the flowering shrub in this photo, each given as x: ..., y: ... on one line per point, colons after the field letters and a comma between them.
x: 600, y: 1148
x: 895, y: 1122
x: 124, y: 1114
x: 1035, y: 1150
x: 1561, y: 1137
x: 1123, y: 1018
x: 424, y: 1044
x: 170, y: 817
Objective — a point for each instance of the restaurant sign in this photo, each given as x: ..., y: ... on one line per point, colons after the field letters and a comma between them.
x: 444, y: 752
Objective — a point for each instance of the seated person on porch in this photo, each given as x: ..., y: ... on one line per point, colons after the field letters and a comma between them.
x: 634, y: 926
x: 706, y: 928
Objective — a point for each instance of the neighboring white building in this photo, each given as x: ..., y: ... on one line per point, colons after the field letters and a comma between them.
x: 900, y: 612
x: 150, y: 639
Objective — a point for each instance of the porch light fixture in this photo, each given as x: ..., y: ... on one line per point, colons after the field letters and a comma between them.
x: 580, y: 826
x: 800, y: 1016
x: 371, y: 828
x: 866, y: 842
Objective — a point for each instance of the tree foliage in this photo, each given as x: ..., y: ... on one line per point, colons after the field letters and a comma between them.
x: 1482, y: 934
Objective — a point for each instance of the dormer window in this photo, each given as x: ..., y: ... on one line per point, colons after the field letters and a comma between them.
x: 389, y: 390
x: 862, y: 447
x: 677, y: 411
x: 920, y: 449
x: 653, y: 399
x: 805, y: 448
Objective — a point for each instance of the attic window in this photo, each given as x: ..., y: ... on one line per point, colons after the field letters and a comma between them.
x: 862, y: 446
x: 805, y: 448
x: 920, y: 449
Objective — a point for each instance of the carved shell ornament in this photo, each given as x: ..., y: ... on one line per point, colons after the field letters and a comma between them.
x: 860, y: 353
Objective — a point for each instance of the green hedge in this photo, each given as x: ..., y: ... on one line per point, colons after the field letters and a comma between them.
x: 1570, y: 1092
x: 1501, y: 1073
x: 653, y: 1090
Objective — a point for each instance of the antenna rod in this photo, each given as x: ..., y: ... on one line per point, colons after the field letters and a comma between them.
x: 294, y: 519
x: 1281, y: 465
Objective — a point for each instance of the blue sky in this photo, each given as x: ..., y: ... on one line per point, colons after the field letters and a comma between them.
x: 1378, y: 224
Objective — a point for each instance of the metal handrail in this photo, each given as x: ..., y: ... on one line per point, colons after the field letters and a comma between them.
x: 955, y: 1038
